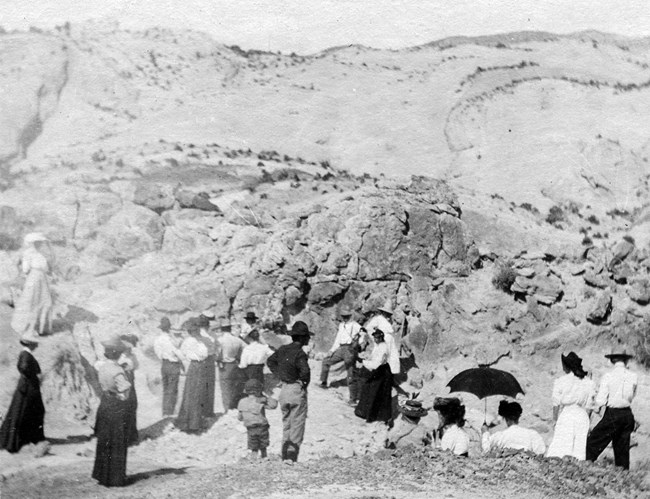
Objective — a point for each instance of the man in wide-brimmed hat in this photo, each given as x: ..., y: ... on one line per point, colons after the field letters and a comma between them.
x: 165, y: 346
x: 381, y: 320
x: 249, y: 323
x: 231, y: 378
x: 343, y: 350
x: 616, y: 392
x: 291, y: 365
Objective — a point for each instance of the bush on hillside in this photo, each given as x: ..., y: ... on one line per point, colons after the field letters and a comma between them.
x: 555, y: 215
x: 504, y: 277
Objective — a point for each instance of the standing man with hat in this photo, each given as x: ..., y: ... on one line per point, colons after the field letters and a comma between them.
x: 291, y: 365
x: 249, y: 324
x: 231, y: 378
x: 381, y: 321
x: 616, y: 392
x: 343, y: 349
x: 166, y: 349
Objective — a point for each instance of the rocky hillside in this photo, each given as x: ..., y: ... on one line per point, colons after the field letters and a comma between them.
x: 471, y: 183
x: 449, y: 109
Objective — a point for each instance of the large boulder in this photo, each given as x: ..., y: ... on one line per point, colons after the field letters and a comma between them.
x: 156, y: 197
x: 601, y: 308
x: 639, y: 291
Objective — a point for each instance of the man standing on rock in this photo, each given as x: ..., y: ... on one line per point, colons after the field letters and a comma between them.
x: 166, y: 349
x: 291, y: 365
x: 343, y: 350
x: 231, y: 379
x: 381, y: 321
x: 616, y: 392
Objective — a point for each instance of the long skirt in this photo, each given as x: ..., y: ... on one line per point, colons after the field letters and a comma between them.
x: 132, y: 411
x: 570, y: 435
x: 23, y: 423
x: 112, y: 441
x: 375, y: 401
x: 190, y: 415
x: 33, y: 308
x: 210, y: 377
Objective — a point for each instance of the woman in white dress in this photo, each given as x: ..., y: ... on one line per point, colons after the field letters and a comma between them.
x: 34, y: 306
x: 573, y: 396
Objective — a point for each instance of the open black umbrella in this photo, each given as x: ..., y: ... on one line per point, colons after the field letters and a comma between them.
x: 485, y: 381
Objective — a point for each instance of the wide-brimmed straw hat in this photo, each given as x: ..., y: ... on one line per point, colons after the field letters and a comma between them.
x: 618, y: 352
x: 345, y: 312
x: 413, y: 409
x: 386, y: 309
x: 299, y: 328
x: 28, y: 339
x: 34, y: 237
x: 208, y: 314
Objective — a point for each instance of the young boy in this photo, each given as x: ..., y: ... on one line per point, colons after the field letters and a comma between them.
x: 252, y: 413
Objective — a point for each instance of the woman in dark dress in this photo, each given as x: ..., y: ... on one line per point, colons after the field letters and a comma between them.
x: 375, y: 401
x: 209, y: 365
x: 111, y: 425
x: 24, y: 421
x: 190, y: 415
x: 129, y: 363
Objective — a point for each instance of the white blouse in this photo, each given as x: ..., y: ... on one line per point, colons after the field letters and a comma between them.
x: 571, y: 390
x: 378, y: 357
x: 455, y: 439
x: 193, y: 349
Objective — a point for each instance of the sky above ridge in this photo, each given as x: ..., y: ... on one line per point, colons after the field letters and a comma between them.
x: 306, y: 26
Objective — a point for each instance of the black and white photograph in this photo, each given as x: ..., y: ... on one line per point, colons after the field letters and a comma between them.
x: 290, y: 249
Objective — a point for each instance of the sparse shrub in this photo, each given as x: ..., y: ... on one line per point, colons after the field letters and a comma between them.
x: 587, y: 241
x: 504, y: 277
x: 593, y: 219
x: 555, y: 215
x: 529, y: 207
x: 629, y: 239
x: 573, y: 208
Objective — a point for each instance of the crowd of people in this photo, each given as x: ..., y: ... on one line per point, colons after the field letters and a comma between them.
x: 370, y: 357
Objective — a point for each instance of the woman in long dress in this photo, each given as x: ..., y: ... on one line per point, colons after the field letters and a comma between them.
x: 129, y: 362
x: 573, y: 396
x: 24, y: 421
x: 375, y: 401
x: 34, y: 306
x: 111, y: 424
x: 190, y: 415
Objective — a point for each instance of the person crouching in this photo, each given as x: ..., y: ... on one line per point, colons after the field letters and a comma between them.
x: 252, y: 411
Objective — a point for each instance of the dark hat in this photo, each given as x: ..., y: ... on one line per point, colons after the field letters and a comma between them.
x: 510, y: 410
x: 165, y: 324
x: 299, y: 328
x: 191, y: 324
x: 254, y: 334
x: 618, y: 353
x: 250, y: 316
x: 574, y: 364
x: 114, y: 344
x: 378, y: 332
x: 253, y: 386
x: 413, y: 409
x: 129, y: 338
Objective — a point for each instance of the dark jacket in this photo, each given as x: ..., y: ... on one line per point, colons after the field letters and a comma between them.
x: 290, y: 364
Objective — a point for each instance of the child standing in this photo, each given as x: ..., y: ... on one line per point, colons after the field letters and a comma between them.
x: 252, y: 413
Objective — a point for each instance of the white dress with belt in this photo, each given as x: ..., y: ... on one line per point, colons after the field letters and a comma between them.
x: 573, y: 396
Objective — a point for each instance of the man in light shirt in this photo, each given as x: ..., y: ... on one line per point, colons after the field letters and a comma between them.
x: 254, y: 356
x: 250, y: 323
x: 514, y: 437
x: 343, y: 349
x: 231, y: 378
x: 166, y: 349
x: 381, y: 321
x: 616, y: 392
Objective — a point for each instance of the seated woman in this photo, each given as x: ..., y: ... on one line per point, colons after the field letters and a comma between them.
x: 407, y: 429
x: 452, y: 420
x: 514, y: 437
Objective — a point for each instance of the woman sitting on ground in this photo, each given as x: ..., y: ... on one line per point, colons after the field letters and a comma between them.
x: 451, y: 434
x: 514, y: 437
x: 407, y: 429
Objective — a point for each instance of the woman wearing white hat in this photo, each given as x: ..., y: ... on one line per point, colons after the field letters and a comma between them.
x: 34, y: 306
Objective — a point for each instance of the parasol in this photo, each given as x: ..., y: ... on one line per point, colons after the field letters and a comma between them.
x: 484, y: 382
